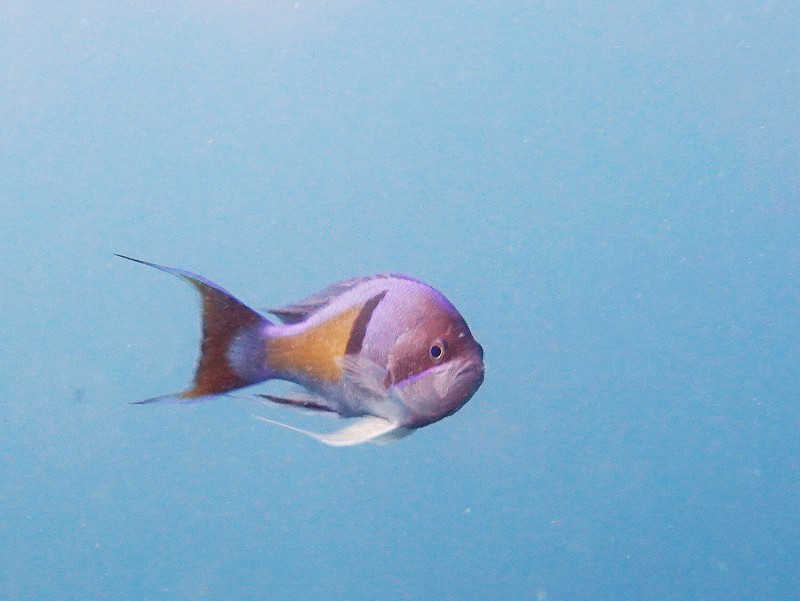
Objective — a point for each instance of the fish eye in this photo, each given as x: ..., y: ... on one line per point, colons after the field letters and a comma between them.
x: 437, y: 349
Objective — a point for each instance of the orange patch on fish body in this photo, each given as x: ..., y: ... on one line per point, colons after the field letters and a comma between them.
x: 313, y: 352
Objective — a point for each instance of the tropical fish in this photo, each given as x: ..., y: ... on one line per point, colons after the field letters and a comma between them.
x: 387, y: 350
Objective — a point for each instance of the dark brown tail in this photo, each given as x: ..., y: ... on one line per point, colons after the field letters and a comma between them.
x: 232, y: 350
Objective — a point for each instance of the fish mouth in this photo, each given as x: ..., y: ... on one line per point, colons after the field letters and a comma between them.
x: 442, y: 390
x: 466, y: 376
x: 467, y: 370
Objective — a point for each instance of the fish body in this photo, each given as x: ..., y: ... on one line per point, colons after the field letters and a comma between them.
x: 389, y: 350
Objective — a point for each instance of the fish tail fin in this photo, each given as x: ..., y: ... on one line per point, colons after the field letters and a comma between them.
x: 233, y: 346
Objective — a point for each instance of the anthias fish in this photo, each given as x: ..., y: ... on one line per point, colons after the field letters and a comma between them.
x: 387, y: 350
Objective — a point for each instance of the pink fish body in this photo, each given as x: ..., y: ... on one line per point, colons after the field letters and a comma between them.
x: 388, y: 350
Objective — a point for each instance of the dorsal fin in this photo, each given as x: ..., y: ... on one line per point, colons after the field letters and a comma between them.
x: 315, y: 351
x: 299, y: 311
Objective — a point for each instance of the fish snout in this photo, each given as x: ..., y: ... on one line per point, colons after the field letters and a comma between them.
x: 466, y: 381
x: 455, y: 387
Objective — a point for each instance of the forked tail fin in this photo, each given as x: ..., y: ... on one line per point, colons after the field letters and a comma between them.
x: 232, y: 350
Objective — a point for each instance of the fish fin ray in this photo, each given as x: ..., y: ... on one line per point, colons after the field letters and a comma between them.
x: 303, y: 400
x: 176, y: 398
x: 165, y: 399
x: 300, y: 311
x: 365, y: 429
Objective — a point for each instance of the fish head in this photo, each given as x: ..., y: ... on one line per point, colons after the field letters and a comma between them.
x: 435, y: 365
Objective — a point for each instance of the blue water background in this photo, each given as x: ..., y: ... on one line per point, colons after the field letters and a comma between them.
x: 609, y: 192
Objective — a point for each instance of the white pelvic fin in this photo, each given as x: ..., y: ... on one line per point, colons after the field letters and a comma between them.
x: 364, y: 429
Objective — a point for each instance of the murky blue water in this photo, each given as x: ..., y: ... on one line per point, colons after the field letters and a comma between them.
x: 609, y: 194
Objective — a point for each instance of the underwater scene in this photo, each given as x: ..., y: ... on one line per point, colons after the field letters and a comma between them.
x: 463, y: 301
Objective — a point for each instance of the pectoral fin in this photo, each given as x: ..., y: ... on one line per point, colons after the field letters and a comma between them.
x: 362, y: 378
x: 364, y: 429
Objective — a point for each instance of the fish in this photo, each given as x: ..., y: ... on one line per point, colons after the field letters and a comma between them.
x: 389, y: 352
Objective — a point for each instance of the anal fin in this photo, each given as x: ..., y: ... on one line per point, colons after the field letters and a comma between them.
x: 300, y: 399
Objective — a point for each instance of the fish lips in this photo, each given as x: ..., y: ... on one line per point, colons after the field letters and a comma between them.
x: 441, y: 391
